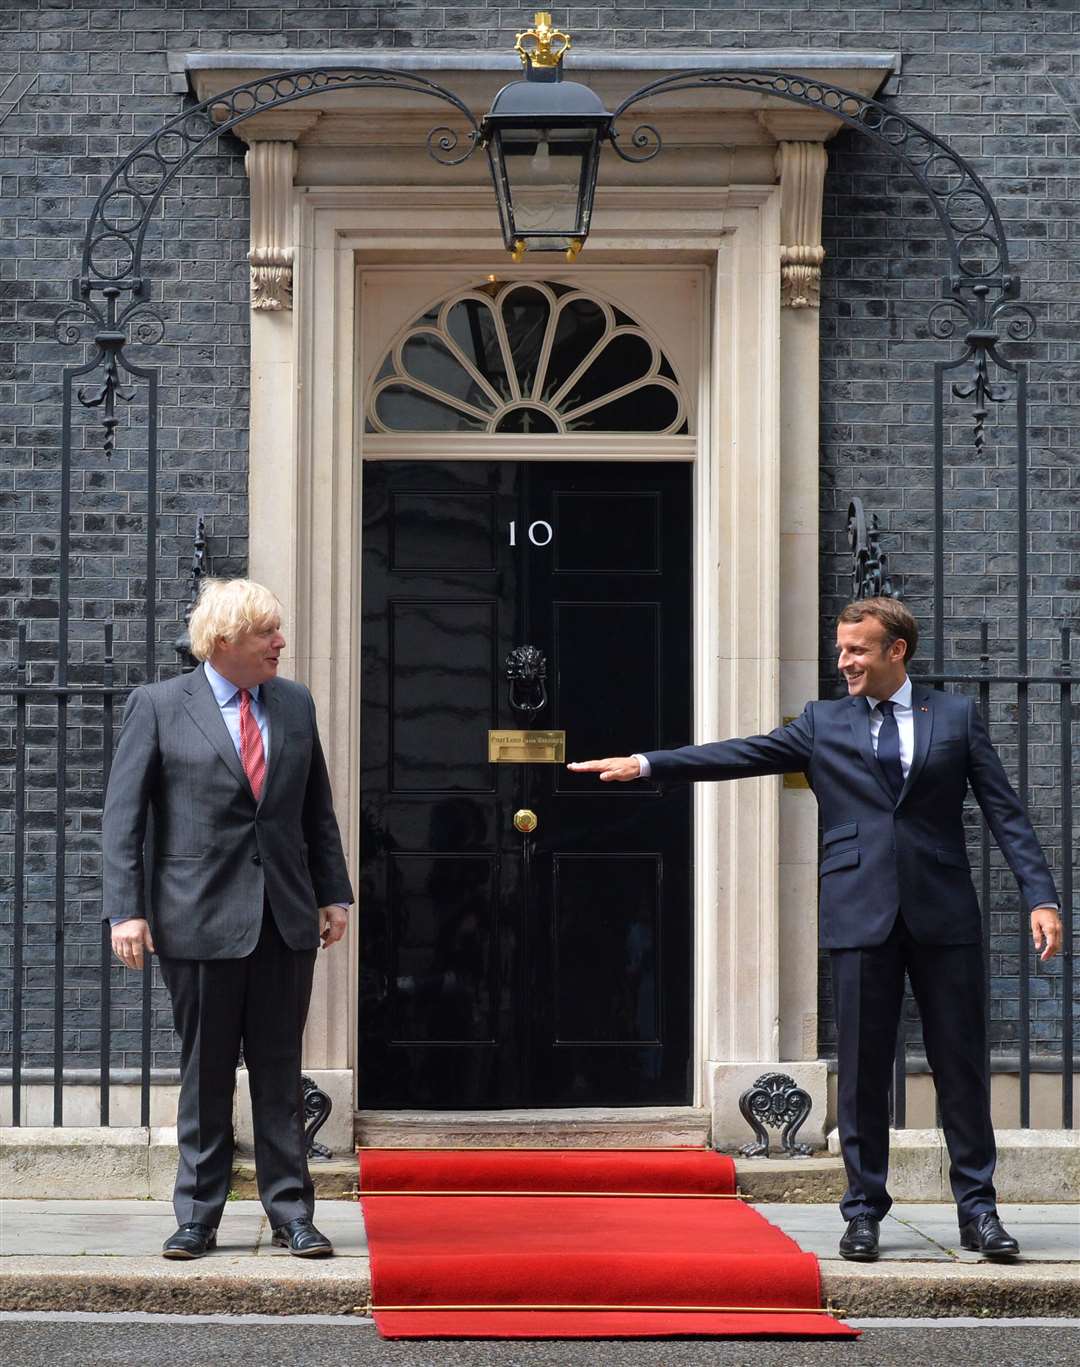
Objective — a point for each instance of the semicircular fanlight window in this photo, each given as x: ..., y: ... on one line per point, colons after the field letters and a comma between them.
x: 525, y: 356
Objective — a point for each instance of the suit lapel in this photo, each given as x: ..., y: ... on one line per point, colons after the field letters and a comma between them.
x: 922, y: 710
x: 279, y: 732
x: 860, y: 726
x: 204, y: 711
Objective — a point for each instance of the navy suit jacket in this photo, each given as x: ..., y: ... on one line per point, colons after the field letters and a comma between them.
x: 881, y: 857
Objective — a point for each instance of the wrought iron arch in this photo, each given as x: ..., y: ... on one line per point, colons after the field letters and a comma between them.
x: 981, y: 287
x: 922, y: 152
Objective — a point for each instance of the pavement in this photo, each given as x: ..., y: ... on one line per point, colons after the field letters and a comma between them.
x: 106, y: 1256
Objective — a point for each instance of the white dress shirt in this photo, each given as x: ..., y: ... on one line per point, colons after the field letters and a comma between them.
x: 905, y: 723
x: 228, y: 699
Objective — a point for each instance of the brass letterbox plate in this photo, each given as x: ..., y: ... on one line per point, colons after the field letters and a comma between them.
x: 527, y: 747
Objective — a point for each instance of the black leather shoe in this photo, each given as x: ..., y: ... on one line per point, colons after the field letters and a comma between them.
x: 302, y: 1239
x: 860, y: 1242
x: 988, y: 1236
x: 189, y: 1241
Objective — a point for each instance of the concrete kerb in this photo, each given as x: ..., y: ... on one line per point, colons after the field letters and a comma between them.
x: 213, y: 1286
x: 939, y: 1290
x: 342, y: 1287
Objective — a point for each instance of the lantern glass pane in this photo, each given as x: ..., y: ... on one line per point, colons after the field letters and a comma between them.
x: 543, y: 170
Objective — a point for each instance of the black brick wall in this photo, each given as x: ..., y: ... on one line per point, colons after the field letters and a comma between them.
x: 999, y: 79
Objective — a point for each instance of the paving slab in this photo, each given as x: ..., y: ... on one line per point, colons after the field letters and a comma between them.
x: 137, y: 1229
x: 1046, y: 1233
x: 818, y: 1229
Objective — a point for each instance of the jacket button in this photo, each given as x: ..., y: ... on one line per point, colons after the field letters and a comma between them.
x: 256, y: 859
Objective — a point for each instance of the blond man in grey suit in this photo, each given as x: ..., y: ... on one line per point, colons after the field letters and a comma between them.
x: 219, y: 791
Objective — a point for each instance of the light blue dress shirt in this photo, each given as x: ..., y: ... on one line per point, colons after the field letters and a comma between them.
x: 228, y: 699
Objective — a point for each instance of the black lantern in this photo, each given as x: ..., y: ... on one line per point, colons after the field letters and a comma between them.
x: 543, y: 137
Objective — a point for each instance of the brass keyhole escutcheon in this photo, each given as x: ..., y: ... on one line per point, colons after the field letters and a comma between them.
x: 525, y: 821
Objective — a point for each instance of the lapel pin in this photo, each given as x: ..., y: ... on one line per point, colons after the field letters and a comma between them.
x: 924, y: 709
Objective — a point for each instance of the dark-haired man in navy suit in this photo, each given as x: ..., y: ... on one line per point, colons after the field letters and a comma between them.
x: 890, y: 766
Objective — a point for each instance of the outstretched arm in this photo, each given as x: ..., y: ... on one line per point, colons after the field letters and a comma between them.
x: 783, y: 751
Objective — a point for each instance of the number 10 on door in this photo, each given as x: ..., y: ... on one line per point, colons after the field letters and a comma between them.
x: 539, y: 533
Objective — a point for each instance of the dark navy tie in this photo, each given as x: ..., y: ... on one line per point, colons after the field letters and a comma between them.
x: 888, y: 749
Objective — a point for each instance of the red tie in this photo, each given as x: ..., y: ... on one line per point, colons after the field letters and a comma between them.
x: 252, y: 755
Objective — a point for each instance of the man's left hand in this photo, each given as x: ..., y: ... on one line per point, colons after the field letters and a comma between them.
x: 1046, y: 931
x: 333, y: 922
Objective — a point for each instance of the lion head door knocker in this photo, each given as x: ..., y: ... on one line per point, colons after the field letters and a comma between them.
x: 526, y: 672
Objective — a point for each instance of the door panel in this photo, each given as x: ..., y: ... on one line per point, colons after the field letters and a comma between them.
x: 607, y: 942
x: 443, y: 676
x: 443, y: 957
x: 502, y: 969
x: 598, y: 648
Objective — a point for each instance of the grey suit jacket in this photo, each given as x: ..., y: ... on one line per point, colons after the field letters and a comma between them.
x: 180, y: 817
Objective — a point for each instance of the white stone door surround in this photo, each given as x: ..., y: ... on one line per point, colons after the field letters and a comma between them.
x: 341, y: 184
x: 754, y: 545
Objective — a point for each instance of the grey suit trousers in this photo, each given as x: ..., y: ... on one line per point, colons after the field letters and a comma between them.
x: 259, y: 1002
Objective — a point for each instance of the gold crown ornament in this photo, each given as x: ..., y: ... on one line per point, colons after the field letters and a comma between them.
x: 547, y: 46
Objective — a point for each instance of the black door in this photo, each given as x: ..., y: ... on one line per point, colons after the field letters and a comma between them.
x: 499, y: 968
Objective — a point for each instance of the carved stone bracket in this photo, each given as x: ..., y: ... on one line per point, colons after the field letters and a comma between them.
x: 270, y: 168
x: 800, y: 167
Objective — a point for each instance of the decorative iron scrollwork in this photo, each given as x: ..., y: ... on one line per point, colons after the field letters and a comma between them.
x: 526, y: 670
x: 775, y: 1100
x: 869, y: 563
x: 317, y: 1108
x: 981, y: 338
x: 113, y: 245
x: 980, y: 284
x: 110, y: 331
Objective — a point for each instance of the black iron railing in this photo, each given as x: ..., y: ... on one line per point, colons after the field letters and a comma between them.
x: 44, y: 711
x: 1011, y: 691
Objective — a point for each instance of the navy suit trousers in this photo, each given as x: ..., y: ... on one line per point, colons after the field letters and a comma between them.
x: 868, y: 990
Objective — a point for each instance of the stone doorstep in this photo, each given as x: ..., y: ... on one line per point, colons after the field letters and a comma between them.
x: 341, y: 1286
x: 584, y: 1127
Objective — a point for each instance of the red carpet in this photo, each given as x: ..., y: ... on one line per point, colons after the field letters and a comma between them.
x: 504, y: 1243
